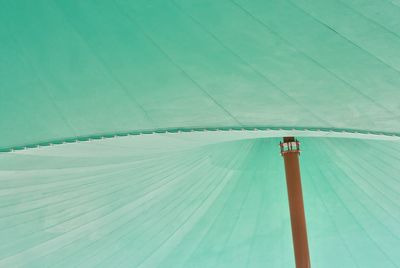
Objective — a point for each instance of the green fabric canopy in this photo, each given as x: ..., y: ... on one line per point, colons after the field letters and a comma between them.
x: 82, y: 68
x: 191, y: 97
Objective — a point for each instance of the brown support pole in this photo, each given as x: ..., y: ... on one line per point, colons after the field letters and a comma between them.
x: 290, y: 151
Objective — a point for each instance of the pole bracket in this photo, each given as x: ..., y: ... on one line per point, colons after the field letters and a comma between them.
x: 290, y: 147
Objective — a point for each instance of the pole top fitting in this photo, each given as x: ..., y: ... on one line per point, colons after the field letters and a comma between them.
x: 289, y: 145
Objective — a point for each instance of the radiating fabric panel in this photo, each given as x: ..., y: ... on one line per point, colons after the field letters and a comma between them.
x: 150, y: 203
x: 81, y: 68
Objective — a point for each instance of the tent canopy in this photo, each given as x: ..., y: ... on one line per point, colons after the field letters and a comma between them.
x: 184, y: 194
x: 73, y: 68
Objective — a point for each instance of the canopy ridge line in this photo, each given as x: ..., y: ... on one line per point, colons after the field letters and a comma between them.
x: 315, y: 131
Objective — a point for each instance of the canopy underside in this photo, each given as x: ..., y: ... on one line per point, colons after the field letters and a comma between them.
x: 171, y: 202
x: 82, y: 68
x: 212, y: 84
